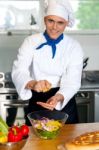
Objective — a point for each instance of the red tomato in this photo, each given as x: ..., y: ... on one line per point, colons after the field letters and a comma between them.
x: 25, y: 130
x: 14, y: 135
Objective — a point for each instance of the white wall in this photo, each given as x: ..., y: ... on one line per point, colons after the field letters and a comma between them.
x: 10, y: 44
x: 90, y: 45
x: 8, y: 50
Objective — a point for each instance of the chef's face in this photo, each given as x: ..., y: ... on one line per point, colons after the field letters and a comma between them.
x: 55, y: 26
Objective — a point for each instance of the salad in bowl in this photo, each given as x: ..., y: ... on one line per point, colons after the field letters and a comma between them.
x: 47, y: 124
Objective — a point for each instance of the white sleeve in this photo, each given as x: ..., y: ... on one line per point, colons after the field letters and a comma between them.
x: 71, y: 78
x: 20, y: 69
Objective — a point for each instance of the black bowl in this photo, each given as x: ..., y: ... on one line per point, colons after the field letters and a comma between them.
x: 47, y: 124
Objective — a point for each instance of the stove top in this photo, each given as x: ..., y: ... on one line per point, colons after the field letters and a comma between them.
x: 90, y: 79
x: 6, y: 84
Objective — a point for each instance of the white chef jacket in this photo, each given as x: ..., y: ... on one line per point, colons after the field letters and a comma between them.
x: 64, y: 70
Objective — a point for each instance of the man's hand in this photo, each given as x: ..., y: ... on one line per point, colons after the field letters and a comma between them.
x: 39, y: 86
x: 52, y: 102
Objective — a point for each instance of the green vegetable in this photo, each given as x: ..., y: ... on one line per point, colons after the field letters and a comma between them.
x: 3, y: 126
x: 48, y: 134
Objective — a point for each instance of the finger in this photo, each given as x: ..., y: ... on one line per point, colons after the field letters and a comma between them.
x: 42, y: 84
x: 52, y: 101
x: 47, y: 84
x: 29, y: 86
x: 45, y: 90
x: 44, y: 87
x: 45, y: 105
x: 38, y: 88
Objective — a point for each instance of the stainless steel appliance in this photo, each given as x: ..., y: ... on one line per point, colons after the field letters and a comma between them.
x: 97, y: 106
x: 85, y: 104
x: 91, y: 82
x: 9, y: 100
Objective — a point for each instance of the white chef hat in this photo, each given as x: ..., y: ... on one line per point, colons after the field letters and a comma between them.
x: 61, y: 8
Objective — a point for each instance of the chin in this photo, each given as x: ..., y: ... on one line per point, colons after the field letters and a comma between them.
x: 54, y: 36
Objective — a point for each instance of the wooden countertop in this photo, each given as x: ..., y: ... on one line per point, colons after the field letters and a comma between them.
x: 68, y: 132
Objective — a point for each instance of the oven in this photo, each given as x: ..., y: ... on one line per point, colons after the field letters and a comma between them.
x: 97, y: 106
x: 12, y: 108
x: 85, y: 105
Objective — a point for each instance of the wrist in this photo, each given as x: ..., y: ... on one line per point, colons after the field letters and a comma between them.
x: 31, y: 84
x: 60, y: 97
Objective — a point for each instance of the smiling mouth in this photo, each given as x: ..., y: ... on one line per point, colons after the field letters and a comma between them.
x: 54, y: 32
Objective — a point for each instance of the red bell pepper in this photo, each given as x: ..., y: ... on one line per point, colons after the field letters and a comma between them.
x: 25, y: 130
x: 14, y: 134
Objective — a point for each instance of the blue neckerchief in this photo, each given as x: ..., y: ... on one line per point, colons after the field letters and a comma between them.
x: 51, y: 42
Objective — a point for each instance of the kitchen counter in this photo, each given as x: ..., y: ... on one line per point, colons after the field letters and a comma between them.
x: 89, y: 85
x: 69, y: 132
x: 90, y: 81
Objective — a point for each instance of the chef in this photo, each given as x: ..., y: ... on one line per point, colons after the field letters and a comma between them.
x: 48, y: 68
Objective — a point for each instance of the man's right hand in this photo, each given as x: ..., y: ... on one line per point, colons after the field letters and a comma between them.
x: 39, y: 86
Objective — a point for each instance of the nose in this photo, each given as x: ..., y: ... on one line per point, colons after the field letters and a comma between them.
x: 54, y: 25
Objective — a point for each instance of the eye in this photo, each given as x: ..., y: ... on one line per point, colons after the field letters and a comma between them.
x: 61, y: 23
x: 50, y: 20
